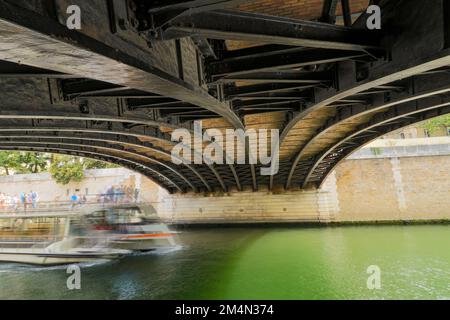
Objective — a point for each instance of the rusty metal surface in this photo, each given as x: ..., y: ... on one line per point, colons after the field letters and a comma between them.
x: 117, y: 88
x: 29, y: 39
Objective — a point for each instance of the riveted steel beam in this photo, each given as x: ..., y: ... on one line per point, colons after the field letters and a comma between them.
x: 243, y: 91
x: 102, y: 143
x: 282, y: 77
x: 42, y: 42
x: 329, y: 11
x: 14, y: 70
x: 237, y: 25
x: 156, y: 14
x: 48, y: 147
x: 409, y: 56
x: 106, y: 148
x: 406, y: 114
x: 364, y: 139
x: 419, y: 87
x: 272, y: 62
x: 129, y: 136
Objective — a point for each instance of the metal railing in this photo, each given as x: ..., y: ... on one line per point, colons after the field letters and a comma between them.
x: 66, y: 205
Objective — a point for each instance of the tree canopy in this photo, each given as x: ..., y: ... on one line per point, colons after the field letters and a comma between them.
x: 63, y: 168
x: 66, y: 168
x: 437, y: 123
x: 23, y: 162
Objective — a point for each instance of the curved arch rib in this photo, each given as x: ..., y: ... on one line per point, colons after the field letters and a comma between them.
x: 77, y: 53
x: 92, y: 139
x: 379, y: 121
x: 97, y: 148
x: 125, y: 140
x: 389, y: 73
x: 444, y: 87
x: 128, y: 132
x: 90, y: 154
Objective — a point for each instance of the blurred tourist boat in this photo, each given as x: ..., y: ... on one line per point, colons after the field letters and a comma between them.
x: 132, y: 227
x: 88, y: 233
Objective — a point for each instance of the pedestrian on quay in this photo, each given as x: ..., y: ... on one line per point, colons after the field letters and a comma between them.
x: 16, y: 202
x: 34, y: 199
x: 23, y: 200
x: 28, y: 199
x: 74, y: 200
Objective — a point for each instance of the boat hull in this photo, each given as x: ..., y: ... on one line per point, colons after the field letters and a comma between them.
x: 143, y: 242
x: 49, y: 259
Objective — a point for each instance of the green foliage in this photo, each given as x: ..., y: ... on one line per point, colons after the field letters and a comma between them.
x: 65, y: 169
x: 23, y: 162
x: 375, y: 151
x: 437, y: 123
x: 97, y: 164
x: 9, y: 161
x: 32, y: 162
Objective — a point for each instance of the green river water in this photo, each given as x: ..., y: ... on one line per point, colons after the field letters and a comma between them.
x: 261, y: 263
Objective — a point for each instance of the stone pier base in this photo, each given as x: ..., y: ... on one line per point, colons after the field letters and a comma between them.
x: 371, y: 189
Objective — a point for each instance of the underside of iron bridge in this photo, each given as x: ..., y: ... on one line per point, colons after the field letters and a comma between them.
x: 137, y: 70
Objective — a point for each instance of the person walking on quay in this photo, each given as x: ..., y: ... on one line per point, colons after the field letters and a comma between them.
x: 130, y: 194
x: 74, y: 200
x: 110, y: 194
x: 2, y: 201
x: 9, y: 202
x: 15, y: 202
x: 28, y: 199
x: 80, y: 200
x: 121, y: 194
x: 23, y: 200
x: 34, y: 199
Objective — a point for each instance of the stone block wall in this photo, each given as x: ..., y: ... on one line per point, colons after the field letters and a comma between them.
x: 410, y: 188
x: 247, y: 207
